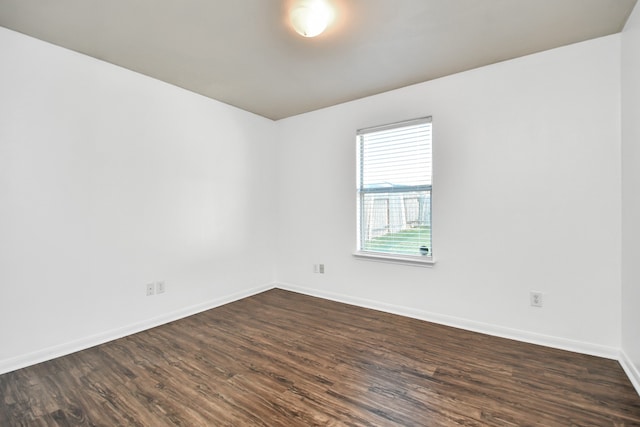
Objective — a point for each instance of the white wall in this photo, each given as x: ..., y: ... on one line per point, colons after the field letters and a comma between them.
x: 631, y: 196
x: 109, y: 180
x: 526, y: 197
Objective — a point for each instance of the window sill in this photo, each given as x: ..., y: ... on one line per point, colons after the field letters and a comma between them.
x: 419, y: 261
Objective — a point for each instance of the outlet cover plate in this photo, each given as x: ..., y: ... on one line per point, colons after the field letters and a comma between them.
x: 535, y: 299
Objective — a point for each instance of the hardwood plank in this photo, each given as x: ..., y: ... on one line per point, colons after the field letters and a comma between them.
x: 285, y: 359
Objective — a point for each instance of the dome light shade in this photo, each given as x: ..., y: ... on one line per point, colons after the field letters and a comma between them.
x: 310, y: 17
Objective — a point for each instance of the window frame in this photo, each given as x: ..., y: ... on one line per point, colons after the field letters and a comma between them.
x: 396, y: 258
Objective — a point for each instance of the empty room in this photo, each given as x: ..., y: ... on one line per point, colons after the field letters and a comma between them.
x: 320, y: 213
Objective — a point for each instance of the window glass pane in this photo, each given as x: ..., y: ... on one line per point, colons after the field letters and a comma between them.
x: 394, y: 188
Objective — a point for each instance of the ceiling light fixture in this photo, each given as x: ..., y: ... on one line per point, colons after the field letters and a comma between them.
x: 310, y: 17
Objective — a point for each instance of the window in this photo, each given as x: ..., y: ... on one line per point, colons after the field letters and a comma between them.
x: 394, y: 191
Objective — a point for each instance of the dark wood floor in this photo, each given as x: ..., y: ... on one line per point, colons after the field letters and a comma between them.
x: 284, y: 359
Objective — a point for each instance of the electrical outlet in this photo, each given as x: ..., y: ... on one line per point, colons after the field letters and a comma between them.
x: 535, y: 298
x: 160, y: 287
x: 151, y: 289
x: 321, y: 269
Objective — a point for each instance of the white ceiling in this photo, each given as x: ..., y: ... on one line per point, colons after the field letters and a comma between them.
x: 244, y: 53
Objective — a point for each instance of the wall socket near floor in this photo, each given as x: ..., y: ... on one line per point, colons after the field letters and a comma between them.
x: 160, y: 287
x: 153, y: 288
x: 318, y: 268
x: 535, y: 298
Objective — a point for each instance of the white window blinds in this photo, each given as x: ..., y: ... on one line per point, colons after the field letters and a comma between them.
x: 394, y: 188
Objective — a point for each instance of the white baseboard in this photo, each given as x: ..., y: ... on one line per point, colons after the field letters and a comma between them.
x: 49, y: 353
x: 631, y: 370
x: 470, y: 325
